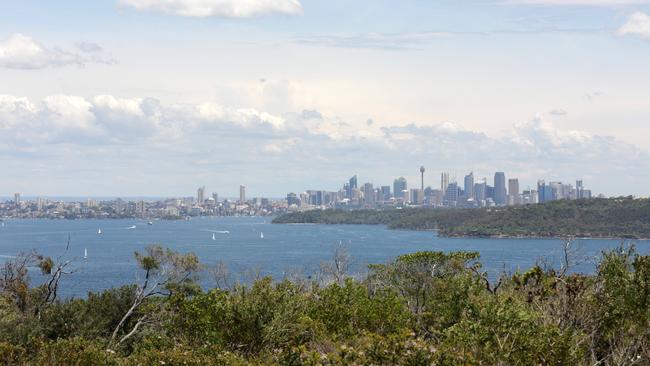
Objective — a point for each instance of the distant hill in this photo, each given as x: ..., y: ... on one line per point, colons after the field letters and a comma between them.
x: 623, y: 217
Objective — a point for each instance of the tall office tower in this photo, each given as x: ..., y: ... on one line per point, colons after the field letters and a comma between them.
x: 368, y: 194
x: 200, y: 196
x: 416, y: 196
x: 541, y: 192
x: 513, y: 191
x: 556, y: 190
x: 17, y: 199
x: 444, y: 182
x: 385, y: 193
x: 469, y: 185
x: 292, y: 199
x: 242, y: 194
x: 479, y: 191
x: 399, y: 186
x: 422, y: 178
x: 500, y: 188
x: 40, y: 203
x: 352, y: 185
x: 451, y: 195
x: 579, y: 189
x: 215, y: 196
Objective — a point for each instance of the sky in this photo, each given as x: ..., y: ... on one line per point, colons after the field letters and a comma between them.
x: 156, y: 98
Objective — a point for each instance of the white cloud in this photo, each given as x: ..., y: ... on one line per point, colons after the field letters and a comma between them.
x: 23, y: 52
x: 637, y: 25
x: 69, y: 136
x: 218, y: 8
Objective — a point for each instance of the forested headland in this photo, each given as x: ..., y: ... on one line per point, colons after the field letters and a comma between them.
x: 623, y: 217
x: 425, y: 308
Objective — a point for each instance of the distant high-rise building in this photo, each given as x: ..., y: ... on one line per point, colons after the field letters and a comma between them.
x: 292, y: 199
x: 215, y: 196
x: 200, y: 196
x: 352, y: 185
x: 469, y: 185
x: 543, y: 192
x: 513, y: 191
x: 399, y: 186
x: 416, y: 196
x: 368, y: 194
x: 242, y: 194
x: 17, y: 199
x: 451, y: 195
x: 579, y: 189
x: 480, y: 192
x: 385, y: 193
x: 444, y: 182
x: 500, y: 188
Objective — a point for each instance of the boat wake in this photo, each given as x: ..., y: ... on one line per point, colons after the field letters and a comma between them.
x: 217, y: 231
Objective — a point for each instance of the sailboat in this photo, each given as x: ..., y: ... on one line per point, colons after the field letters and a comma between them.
x: 214, y: 237
x: 85, y: 253
x: 99, y: 231
x: 261, y: 235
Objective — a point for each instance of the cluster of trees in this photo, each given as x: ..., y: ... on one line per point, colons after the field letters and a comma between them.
x: 623, y: 217
x: 420, y: 309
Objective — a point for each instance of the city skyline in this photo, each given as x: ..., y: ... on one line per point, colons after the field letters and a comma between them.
x: 443, y: 181
x: 130, y: 97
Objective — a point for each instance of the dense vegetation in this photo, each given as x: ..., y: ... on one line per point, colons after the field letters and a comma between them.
x: 420, y: 309
x: 596, y: 218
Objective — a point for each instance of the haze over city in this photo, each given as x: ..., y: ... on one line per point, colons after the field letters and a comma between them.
x: 144, y: 98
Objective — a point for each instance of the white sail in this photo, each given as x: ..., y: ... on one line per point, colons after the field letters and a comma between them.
x: 214, y: 237
x: 261, y: 235
x: 85, y: 253
x: 99, y: 231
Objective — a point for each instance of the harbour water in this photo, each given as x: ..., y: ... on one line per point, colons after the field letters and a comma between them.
x: 253, y: 243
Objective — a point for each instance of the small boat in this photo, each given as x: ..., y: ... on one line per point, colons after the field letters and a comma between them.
x: 99, y: 231
x: 261, y: 235
x: 150, y: 223
x: 223, y: 231
x: 132, y: 227
x: 214, y: 237
x: 85, y: 253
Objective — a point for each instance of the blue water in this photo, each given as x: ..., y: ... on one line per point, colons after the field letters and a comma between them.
x: 284, y: 248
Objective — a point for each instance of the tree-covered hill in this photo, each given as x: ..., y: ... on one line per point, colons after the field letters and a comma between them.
x: 623, y: 217
x: 424, y: 308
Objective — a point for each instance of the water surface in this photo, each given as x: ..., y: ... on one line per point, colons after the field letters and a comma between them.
x: 237, y: 241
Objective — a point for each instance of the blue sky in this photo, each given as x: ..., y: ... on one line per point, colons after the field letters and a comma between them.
x: 156, y: 98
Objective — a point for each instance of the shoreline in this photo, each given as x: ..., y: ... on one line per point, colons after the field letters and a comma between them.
x: 501, y: 236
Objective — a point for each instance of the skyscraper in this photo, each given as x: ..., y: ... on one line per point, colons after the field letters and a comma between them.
x: 17, y: 199
x: 444, y: 182
x: 385, y: 193
x: 480, y: 191
x: 579, y: 189
x: 200, y: 196
x: 399, y: 186
x: 451, y: 195
x: 242, y: 194
x: 513, y: 191
x: 500, y: 188
x: 368, y: 194
x: 469, y: 185
x: 352, y: 185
